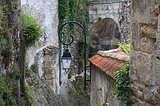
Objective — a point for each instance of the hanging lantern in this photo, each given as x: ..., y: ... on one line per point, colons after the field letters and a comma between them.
x: 66, y: 59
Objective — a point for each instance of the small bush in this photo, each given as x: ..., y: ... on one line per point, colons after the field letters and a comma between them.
x: 30, y: 29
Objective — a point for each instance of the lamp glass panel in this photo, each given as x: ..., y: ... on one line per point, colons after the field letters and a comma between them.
x: 66, y: 63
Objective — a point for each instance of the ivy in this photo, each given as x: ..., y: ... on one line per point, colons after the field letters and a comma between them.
x: 75, y: 10
x: 8, y: 30
x: 9, y: 87
x: 122, y: 89
x: 6, y: 97
x: 63, y: 10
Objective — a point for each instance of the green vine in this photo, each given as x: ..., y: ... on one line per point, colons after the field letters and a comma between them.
x: 9, y: 88
x: 67, y: 12
x: 5, y: 41
x: 74, y: 10
x: 122, y: 89
x: 6, y: 91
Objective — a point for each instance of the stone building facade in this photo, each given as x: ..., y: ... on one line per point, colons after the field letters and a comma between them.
x: 145, y: 52
x: 45, y: 52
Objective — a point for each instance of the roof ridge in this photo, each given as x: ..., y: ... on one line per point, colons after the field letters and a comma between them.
x: 117, y: 54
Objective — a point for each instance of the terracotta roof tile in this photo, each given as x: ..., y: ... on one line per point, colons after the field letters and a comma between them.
x: 110, y: 61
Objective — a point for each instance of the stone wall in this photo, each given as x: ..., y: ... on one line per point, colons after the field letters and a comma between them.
x: 124, y: 21
x: 101, y: 87
x: 45, y: 52
x: 144, y: 59
x: 103, y: 9
x: 118, y: 10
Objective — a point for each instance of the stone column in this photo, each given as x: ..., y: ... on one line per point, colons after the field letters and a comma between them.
x: 145, y: 52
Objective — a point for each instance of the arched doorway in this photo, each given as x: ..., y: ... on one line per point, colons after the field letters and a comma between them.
x: 106, y: 35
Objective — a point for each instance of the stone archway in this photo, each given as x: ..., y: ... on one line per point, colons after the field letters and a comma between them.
x: 105, y: 35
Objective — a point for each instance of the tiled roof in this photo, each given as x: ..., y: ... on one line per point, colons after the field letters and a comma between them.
x: 110, y: 61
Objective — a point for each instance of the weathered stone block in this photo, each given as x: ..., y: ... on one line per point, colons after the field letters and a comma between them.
x: 142, y: 11
x: 48, y: 58
x: 158, y: 39
x: 48, y: 70
x: 137, y: 92
x: 47, y: 52
x: 48, y: 64
x: 52, y: 83
x: 138, y: 84
x: 158, y: 44
x: 140, y: 102
x: 49, y: 76
x: 135, y: 28
x: 150, y: 94
x: 141, y: 67
x: 146, y: 44
x: 149, y: 31
x: 158, y: 71
x: 159, y: 23
x: 158, y: 53
x: 133, y: 98
x: 147, y: 104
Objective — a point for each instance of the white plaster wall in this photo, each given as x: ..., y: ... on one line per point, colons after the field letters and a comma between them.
x: 46, y: 13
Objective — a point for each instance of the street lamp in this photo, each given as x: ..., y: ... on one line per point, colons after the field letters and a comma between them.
x: 66, y: 58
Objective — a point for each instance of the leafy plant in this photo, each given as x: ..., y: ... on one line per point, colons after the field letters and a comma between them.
x: 100, y: 89
x: 99, y: 18
x: 34, y: 67
x: 122, y: 88
x: 96, y: 8
x: 30, y: 29
x: 48, y: 97
x: 126, y: 48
